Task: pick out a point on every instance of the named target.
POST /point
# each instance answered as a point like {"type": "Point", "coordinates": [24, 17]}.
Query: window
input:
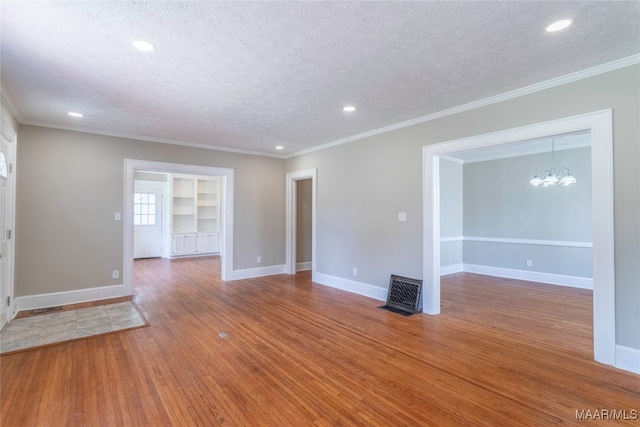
{"type": "Point", "coordinates": [144, 209]}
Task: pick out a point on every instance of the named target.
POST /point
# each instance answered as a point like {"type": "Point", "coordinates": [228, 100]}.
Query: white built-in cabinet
{"type": "Point", "coordinates": [195, 215]}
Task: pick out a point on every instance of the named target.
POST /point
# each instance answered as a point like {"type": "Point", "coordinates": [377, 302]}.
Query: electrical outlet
{"type": "Point", "coordinates": [259, 259]}
{"type": "Point", "coordinates": [115, 274]}
{"type": "Point", "coordinates": [355, 271]}
{"type": "Point", "coordinates": [117, 216]}
{"type": "Point", "coordinates": [529, 263]}
{"type": "Point", "coordinates": [402, 216]}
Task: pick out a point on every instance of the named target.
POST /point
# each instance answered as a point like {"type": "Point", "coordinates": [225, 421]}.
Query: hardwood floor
{"type": "Point", "coordinates": [502, 353]}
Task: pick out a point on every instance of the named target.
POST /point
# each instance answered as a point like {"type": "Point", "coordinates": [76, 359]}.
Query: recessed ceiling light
{"type": "Point", "coordinates": [349, 108]}
{"type": "Point", "coordinates": [279, 147]}
{"type": "Point", "coordinates": [559, 25]}
{"type": "Point", "coordinates": [143, 45]}
{"type": "Point", "coordinates": [72, 114]}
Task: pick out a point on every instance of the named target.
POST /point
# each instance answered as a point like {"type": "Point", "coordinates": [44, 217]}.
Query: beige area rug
{"type": "Point", "coordinates": [54, 328]}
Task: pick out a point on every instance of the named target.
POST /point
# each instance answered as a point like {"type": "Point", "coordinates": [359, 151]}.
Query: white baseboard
{"type": "Point", "coordinates": [303, 266]}
{"type": "Point", "coordinates": [250, 273]}
{"type": "Point", "coordinates": [31, 302]}
{"type": "Point", "coordinates": [451, 269]}
{"type": "Point", "coordinates": [628, 358]}
{"type": "Point", "coordinates": [352, 286]}
{"type": "Point", "coordinates": [532, 276]}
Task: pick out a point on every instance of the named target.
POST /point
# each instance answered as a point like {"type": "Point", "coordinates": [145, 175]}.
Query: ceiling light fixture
{"type": "Point", "coordinates": [279, 147]}
{"type": "Point", "coordinates": [559, 25]}
{"type": "Point", "coordinates": [143, 45]}
{"type": "Point", "coordinates": [552, 176]}
{"type": "Point", "coordinates": [349, 108]}
{"type": "Point", "coordinates": [72, 114]}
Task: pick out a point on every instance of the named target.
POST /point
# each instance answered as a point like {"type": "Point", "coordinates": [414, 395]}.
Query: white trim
{"type": "Point", "coordinates": [291, 210]}
{"type": "Point", "coordinates": [558, 81]}
{"type": "Point", "coordinates": [10, 222]}
{"type": "Point", "coordinates": [562, 243]}
{"type": "Point", "coordinates": [250, 273]}
{"type": "Point", "coordinates": [531, 276]}
{"type": "Point", "coordinates": [600, 125]}
{"type": "Point", "coordinates": [352, 286]}
{"type": "Point", "coordinates": [304, 266]}
{"type": "Point", "coordinates": [451, 269]}
{"type": "Point", "coordinates": [227, 186]}
{"type": "Point", "coordinates": [54, 299]}
{"type": "Point", "coordinates": [628, 358]}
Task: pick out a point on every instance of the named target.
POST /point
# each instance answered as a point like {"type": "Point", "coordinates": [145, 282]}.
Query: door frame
{"type": "Point", "coordinates": [226, 226]}
{"type": "Point", "coordinates": [599, 123]}
{"type": "Point", "coordinates": [10, 135]}
{"type": "Point", "coordinates": [291, 220]}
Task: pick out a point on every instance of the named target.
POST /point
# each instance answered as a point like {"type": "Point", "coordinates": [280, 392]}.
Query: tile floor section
{"type": "Point", "coordinates": [68, 325]}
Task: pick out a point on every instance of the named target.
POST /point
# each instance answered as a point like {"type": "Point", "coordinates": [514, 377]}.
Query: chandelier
{"type": "Point", "coordinates": [552, 176]}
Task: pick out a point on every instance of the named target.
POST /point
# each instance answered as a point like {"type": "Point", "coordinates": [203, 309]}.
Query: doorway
{"type": "Point", "coordinates": [148, 216]}
{"type": "Point", "coordinates": [7, 215]}
{"type": "Point", "coordinates": [226, 177]}
{"type": "Point", "coordinates": [310, 176]}
{"type": "Point", "coordinates": [600, 125]}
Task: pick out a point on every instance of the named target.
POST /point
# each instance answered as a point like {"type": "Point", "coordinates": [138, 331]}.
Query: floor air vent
{"type": "Point", "coordinates": [405, 295]}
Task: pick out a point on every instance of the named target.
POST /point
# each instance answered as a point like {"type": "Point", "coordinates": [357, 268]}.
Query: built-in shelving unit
{"type": "Point", "coordinates": [195, 216]}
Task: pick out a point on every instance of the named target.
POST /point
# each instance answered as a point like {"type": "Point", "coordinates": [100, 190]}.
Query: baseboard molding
{"type": "Point", "coordinates": [451, 269]}
{"type": "Point", "coordinates": [31, 302]}
{"type": "Point", "coordinates": [352, 286]}
{"type": "Point", "coordinates": [303, 266]}
{"type": "Point", "coordinates": [250, 273]}
{"type": "Point", "coordinates": [532, 276]}
{"type": "Point", "coordinates": [628, 359]}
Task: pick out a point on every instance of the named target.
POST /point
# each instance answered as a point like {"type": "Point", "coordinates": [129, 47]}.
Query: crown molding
{"type": "Point", "coordinates": [8, 101]}
{"type": "Point", "coordinates": [537, 87]}
{"type": "Point", "coordinates": [149, 138]}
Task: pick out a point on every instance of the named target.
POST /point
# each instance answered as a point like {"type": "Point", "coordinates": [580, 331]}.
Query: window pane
{"type": "Point", "coordinates": [152, 199]}
{"type": "Point", "coordinates": [152, 209]}
{"type": "Point", "coordinates": [152, 219]}
{"type": "Point", "coordinates": [145, 209]}
{"type": "Point", "coordinates": [137, 197]}
{"type": "Point", "coordinates": [145, 220]}
{"type": "Point", "coordinates": [136, 209]}
{"type": "Point", "coordinates": [145, 199]}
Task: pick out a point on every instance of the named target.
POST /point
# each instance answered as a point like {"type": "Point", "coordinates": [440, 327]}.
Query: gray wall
{"type": "Point", "coordinates": [499, 203]}
{"type": "Point", "coordinates": [451, 212]}
{"type": "Point", "coordinates": [363, 184]}
{"type": "Point", "coordinates": [303, 220]}
{"type": "Point", "coordinates": [69, 185]}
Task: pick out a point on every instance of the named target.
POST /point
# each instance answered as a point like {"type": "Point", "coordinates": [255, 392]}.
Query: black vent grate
{"type": "Point", "coordinates": [405, 294]}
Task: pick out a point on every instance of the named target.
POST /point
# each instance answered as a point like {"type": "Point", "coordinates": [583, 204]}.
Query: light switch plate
{"type": "Point", "coordinates": [117, 216]}
{"type": "Point", "coordinates": [402, 216]}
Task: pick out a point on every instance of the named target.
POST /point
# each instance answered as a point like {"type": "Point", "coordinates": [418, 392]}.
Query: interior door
{"type": "Point", "coordinates": [147, 222]}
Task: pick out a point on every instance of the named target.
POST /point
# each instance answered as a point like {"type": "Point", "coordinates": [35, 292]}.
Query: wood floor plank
{"type": "Point", "coordinates": [295, 353]}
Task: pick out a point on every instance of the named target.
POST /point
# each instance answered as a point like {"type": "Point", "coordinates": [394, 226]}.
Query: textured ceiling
{"type": "Point", "coordinates": [252, 75]}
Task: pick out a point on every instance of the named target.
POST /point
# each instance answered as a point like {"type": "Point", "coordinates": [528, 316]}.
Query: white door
{"type": "Point", "coordinates": [147, 222]}
{"type": "Point", "coordinates": [6, 210]}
